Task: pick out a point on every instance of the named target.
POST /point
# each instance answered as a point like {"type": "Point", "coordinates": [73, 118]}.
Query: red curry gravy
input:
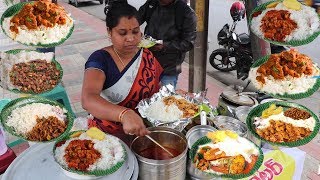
{"type": "Point", "coordinates": [157, 153]}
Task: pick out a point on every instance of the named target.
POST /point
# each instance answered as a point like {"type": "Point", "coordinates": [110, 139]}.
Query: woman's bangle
{"type": "Point", "coordinates": [123, 112]}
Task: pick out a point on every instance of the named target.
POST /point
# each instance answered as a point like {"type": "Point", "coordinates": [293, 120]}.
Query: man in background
{"type": "Point", "coordinates": [173, 22]}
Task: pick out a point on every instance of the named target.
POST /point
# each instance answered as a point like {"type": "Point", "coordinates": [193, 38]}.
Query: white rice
{"type": "Point", "coordinates": [110, 148]}
{"type": "Point", "coordinates": [8, 60]}
{"type": "Point", "coordinates": [307, 22]}
{"type": "Point", "coordinates": [43, 35]}
{"type": "Point", "coordinates": [262, 123]}
{"type": "Point", "coordinates": [23, 119]}
{"type": "Point", "coordinates": [244, 148]}
{"type": "Point", "coordinates": [159, 111]}
{"type": "Point", "coordinates": [289, 85]}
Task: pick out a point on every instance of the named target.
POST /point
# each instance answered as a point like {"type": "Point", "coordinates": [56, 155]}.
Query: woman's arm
{"type": "Point", "coordinates": [102, 109]}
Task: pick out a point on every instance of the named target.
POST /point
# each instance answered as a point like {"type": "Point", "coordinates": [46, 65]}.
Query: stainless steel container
{"type": "Point", "coordinates": [151, 169]}
{"type": "Point", "coordinates": [192, 136]}
{"type": "Point", "coordinates": [242, 112]}
{"type": "Point", "coordinates": [198, 132]}
{"type": "Point", "coordinates": [229, 123]}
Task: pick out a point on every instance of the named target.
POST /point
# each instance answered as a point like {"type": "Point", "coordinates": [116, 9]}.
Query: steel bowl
{"type": "Point", "coordinates": [198, 132]}
{"type": "Point", "coordinates": [229, 123]}
{"type": "Point", "coordinates": [242, 112]}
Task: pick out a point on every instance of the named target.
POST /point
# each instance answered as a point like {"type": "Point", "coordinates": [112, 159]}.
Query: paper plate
{"type": "Point", "coordinates": [11, 11]}
{"type": "Point", "coordinates": [205, 140]}
{"type": "Point", "coordinates": [257, 112]}
{"type": "Point", "coordinates": [305, 94]}
{"type": "Point", "coordinates": [146, 43]}
{"type": "Point", "coordinates": [288, 43]}
{"type": "Point", "coordinates": [57, 64]}
{"type": "Point", "coordinates": [95, 172]}
{"type": "Point", "coordinates": [12, 105]}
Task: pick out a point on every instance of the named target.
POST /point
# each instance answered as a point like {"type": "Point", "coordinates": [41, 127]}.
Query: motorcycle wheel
{"type": "Point", "coordinates": [217, 58]}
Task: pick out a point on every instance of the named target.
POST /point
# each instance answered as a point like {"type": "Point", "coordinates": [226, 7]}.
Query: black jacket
{"type": "Point", "coordinates": [176, 40]}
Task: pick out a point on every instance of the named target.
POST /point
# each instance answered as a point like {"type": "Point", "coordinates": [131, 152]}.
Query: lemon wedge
{"type": "Point", "coordinates": [76, 134]}
{"type": "Point", "coordinates": [292, 4]}
{"type": "Point", "coordinates": [220, 136]}
{"type": "Point", "coordinates": [232, 134]}
{"type": "Point", "coordinates": [96, 133]}
{"type": "Point", "coordinates": [272, 5]}
{"type": "Point", "coordinates": [271, 110]}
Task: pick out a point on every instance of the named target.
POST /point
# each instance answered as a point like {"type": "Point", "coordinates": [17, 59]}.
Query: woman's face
{"type": "Point", "coordinates": [126, 36]}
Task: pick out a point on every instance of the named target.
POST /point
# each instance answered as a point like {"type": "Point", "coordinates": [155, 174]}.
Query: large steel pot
{"type": "Point", "coordinates": [230, 99]}
{"type": "Point", "coordinates": [152, 169]}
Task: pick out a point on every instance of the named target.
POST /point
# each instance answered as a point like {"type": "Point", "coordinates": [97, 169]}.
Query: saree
{"type": "Point", "coordinates": [140, 81]}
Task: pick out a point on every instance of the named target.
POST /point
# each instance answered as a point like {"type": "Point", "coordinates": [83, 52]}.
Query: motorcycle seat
{"type": "Point", "coordinates": [244, 38]}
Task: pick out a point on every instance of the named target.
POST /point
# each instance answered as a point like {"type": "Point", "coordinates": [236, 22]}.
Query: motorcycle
{"type": "Point", "coordinates": [236, 52]}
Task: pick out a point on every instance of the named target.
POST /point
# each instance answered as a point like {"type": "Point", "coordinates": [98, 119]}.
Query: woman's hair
{"type": "Point", "coordinates": [118, 10]}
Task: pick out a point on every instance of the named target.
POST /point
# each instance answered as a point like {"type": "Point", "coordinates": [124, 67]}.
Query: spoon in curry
{"type": "Point", "coordinates": [154, 141]}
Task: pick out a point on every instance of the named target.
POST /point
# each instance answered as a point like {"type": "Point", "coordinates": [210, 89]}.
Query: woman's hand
{"type": "Point", "coordinates": [133, 124]}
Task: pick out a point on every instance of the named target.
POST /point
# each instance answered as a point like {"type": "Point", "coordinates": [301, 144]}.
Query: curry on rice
{"type": "Point", "coordinates": [36, 76]}
{"type": "Point", "coordinates": [37, 14]}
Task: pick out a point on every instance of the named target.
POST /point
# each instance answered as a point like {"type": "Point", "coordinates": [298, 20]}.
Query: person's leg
{"type": "Point", "coordinates": [172, 79]}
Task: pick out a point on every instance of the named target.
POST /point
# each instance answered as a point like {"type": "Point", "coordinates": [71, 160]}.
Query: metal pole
{"type": "Point", "coordinates": [259, 47]}
{"type": "Point", "coordinates": [198, 55]}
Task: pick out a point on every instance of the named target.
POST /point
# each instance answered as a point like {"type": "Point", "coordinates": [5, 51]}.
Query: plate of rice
{"type": "Point", "coordinates": [36, 119]}
{"type": "Point", "coordinates": [215, 155]}
{"type": "Point", "coordinates": [287, 75]}
{"type": "Point", "coordinates": [39, 23]}
{"type": "Point", "coordinates": [26, 71]}
{"type": "Point", "coordinates": [286, 22]}
{"type": "Point", "coordinates": [170, 109]}
{"type": "Point", "coordinates": [283, 123]}
{"type": "Point", "coordinates": [90, 153]}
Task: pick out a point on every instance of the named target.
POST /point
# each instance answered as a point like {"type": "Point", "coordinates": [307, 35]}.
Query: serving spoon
{"type": "Point", "coordinates": [166, 150]}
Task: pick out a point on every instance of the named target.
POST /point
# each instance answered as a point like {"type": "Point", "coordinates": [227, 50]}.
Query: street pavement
{"type": "Point", "coordinates": [90, 35]}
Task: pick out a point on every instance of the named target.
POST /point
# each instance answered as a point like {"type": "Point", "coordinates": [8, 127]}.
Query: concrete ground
{"type": "Point", "coordinates": [90, 35]}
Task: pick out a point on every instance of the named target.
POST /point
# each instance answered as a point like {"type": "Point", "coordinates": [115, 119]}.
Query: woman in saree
{"type": "Point", "coordinates": [117, 77]}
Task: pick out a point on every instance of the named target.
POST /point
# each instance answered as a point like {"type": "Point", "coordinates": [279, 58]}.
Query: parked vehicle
{"type": "Point", "coordinates": [236, 52]}
{"type": "Point", "coordinates": [76, 2]}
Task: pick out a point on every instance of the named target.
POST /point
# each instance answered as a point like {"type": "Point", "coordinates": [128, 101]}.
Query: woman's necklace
{"type": "Point", "coordinates": [118, 56]}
